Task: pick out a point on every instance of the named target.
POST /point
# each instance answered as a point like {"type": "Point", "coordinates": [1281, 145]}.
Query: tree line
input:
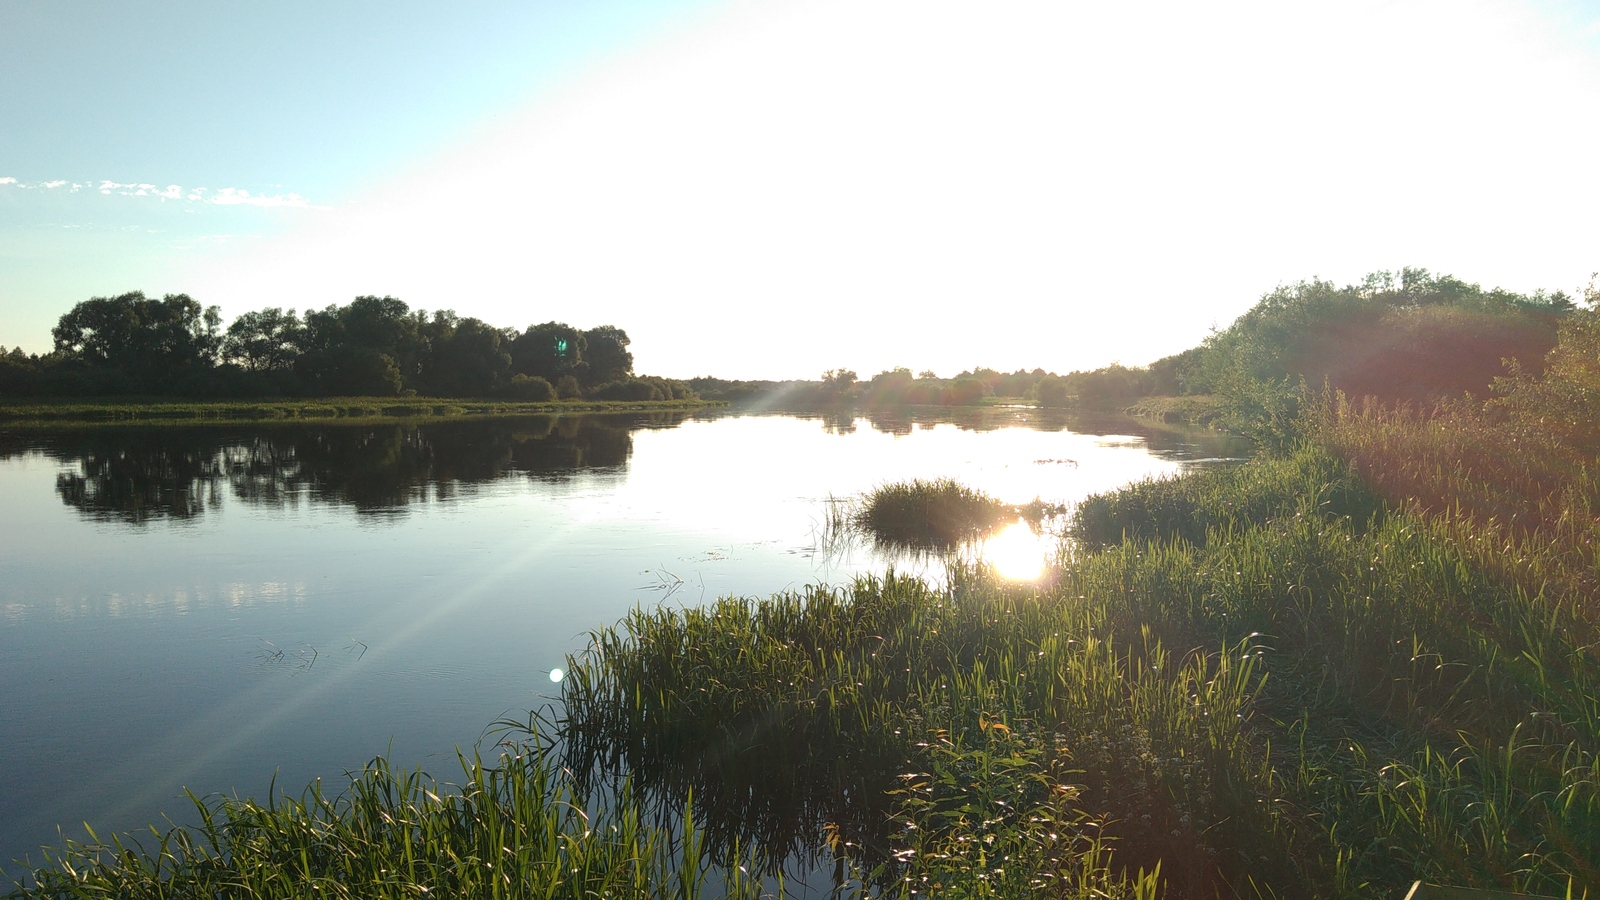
{"type": "Point", "coordinates": [1407, 336]}
{"type": "Point", "coordinates": [373, 346]}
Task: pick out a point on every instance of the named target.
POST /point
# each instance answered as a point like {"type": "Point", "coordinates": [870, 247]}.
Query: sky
{"type": "Point", "coordinates": [772, 189]}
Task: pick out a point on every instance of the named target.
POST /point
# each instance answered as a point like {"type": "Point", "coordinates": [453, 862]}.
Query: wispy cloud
{"type": "Point", "coordinates": [222, 197]}
{"type": "Point", "coordinates": [234, 197]}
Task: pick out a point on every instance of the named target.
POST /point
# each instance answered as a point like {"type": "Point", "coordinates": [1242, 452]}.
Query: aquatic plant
{"type": "Point", "coordinates": [937, 514]}
{"type": "Point", "coordinates": [516, 826]}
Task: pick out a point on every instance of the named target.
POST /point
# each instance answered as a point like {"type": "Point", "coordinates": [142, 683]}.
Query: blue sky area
{"type": "Point", "coordinates": [773, 189]}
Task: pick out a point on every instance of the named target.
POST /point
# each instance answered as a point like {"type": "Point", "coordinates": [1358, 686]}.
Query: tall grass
{"type": "Point", "coordinates": [1525, 503]}
{"type": "Point", "coordinates": [1261, 683]}
{"type": "Point", "coordinates": [516, 826]}
{"type": "Point", "coordinates": [932, 515]}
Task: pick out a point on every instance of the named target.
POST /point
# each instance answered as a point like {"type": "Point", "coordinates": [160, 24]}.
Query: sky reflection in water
{"type": "Point", "coordinates": [203, 607]}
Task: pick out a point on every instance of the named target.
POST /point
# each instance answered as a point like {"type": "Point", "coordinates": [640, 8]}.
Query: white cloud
{"type": "Point", "coordinates": [238, 197]}
{"type": "Point", "coordinates": [224, 197]}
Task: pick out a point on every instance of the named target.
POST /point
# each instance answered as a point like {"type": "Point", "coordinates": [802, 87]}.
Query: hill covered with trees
{"type": "Point", "coordinates": [133, 345]}
{"type": "Point", "coordinates": [1405, 337]}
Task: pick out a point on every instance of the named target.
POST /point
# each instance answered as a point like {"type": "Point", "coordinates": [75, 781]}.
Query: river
{"type": "Point", "coordinates": [210, 607]}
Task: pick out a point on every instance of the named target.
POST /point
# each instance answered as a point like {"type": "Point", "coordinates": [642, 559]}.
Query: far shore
{"type": "Point", "coordinates": [145, 411]}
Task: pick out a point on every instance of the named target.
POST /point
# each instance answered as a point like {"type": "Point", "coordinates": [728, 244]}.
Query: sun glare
{"type": "Point", "coordinates": [1017, 553]}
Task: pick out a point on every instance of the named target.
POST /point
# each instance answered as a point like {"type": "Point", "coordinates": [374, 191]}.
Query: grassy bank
{"type": "Point", "coordinates": [1264, 681]}
{"type": "Point", "coordinates": [321, 409]}
{"type": "Point", "coordinates": [1203, 410]}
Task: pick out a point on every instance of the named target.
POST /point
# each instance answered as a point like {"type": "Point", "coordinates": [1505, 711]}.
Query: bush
{"type": "Point", "coordinates": [1052, 392]}
{"type": "Point", "coordinates": [529, 388]}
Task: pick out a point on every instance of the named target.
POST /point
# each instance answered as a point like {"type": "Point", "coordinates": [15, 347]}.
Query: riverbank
{"type": "Point", "coordinates": [365, 409]}
{"type": "Point", "coordinates": [1201, 411]}
{"type": "Point", "coordinates": [1261, 681]}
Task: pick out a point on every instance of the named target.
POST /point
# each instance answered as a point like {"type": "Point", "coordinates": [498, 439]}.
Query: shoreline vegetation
{"type": "Point", "coordinates": [323, 409]}
{"type": "Point", "coordinates": [1369, 656]}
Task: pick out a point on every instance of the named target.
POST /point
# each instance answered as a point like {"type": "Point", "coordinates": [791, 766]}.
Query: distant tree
{"type": "Point", "coordinates": [152, 341]}
{"type": "Point", "coordinates": [370, 347]}
{"type": "Point", "coordinates": [1053, 392]}
{"type": "Point", "coordinates": [529, 388]}
{"type": "Point", "coordinates": [968, 391]}
{"type": "Point", "coordinates": [568, 388]}
{"type": "Point", "coordinates": [464, 357]}
{"type": "Point", "coordinates": [1110, 387]}
{"type": "Point", "coordinates": [265, 341]}
{"type": "Point", "coordinates": [551, 351]}
{"type": "Point", "coordinates": [606, 354]}
{"type": "Point", "coordinates": [646, 387]}
{"type": "Point", "coordinates": [890, 386]}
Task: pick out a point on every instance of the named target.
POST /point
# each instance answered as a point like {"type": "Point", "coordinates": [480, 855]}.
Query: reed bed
{"type": "Point", "coordinates": [936, 515]}
{"type": "Point", "coordinates": [1523, 501]}
{"type": "Point", "coordinates": [1262, 683]}
{"type": "Point", "coordinates": [515, 827]}
{"type": "Point", "coordinates": [925, 517]}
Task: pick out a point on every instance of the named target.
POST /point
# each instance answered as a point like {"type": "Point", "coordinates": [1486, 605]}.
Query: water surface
{"type": "Point", "coordinates": [206, 607]}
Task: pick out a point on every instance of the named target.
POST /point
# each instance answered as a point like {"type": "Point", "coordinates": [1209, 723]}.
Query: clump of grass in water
{"type": "Point", "coordinates": [937, 515]}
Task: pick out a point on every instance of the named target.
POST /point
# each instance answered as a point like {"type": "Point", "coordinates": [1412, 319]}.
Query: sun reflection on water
{"type": "Point", "coordinates": [1017, 552]}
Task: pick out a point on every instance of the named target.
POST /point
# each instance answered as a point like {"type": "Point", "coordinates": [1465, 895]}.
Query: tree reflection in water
{"type": "Point", "coordinates": [133, 475]}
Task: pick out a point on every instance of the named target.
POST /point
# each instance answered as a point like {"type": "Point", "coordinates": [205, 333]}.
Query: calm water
{"type": "Point", "coordinates": [205, 607]}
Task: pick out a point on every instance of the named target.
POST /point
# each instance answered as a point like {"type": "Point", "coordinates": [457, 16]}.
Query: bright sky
{"type": "Point", "coordinates": [771, 189]}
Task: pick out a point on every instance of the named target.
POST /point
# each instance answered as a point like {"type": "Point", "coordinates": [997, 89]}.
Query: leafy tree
{"type": "Point", "coordinates": [568, 388]}
{"type": "Point", "coordinates": [1053, 392]}
{"type": "Point", "coordinates": [606, 353]}
{"type": "Point", "coordinates": [1110, 387]}
{"type": "Point", "coordinates": [1565, 402]}
{"type": "Point", "coordinates": [369, 347]}
{"type": "Point", "coordinates": [529, 388]}
{"type": "Point", "coordinates": [265, 341]}
{"type": "Point", "coordinates": [152, 341]}
{"type": "Point", "coordinates": [967, 391]}
{"type": "Point", "coordinates": [836, 384]}
{"type": "Point", "coordinates": [465, 357]}
{"type": "Point", "coordinates": [890, 386]}
{"type": "Point", "coordinates": [647, 387]}
{"type": "Point", "coordinates": [551, 351]}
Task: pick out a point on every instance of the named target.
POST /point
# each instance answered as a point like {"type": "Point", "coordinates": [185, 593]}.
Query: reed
{"type": "Point", "coordinates": [934, 515]}
{"type": "Point", "coordinates": [516, 826]}
{"type": "Point", "coordinates": [1262, 682]}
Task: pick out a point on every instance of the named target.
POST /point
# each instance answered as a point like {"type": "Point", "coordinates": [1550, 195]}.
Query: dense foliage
{"type": "Point", "coordinates": [371, 347]}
